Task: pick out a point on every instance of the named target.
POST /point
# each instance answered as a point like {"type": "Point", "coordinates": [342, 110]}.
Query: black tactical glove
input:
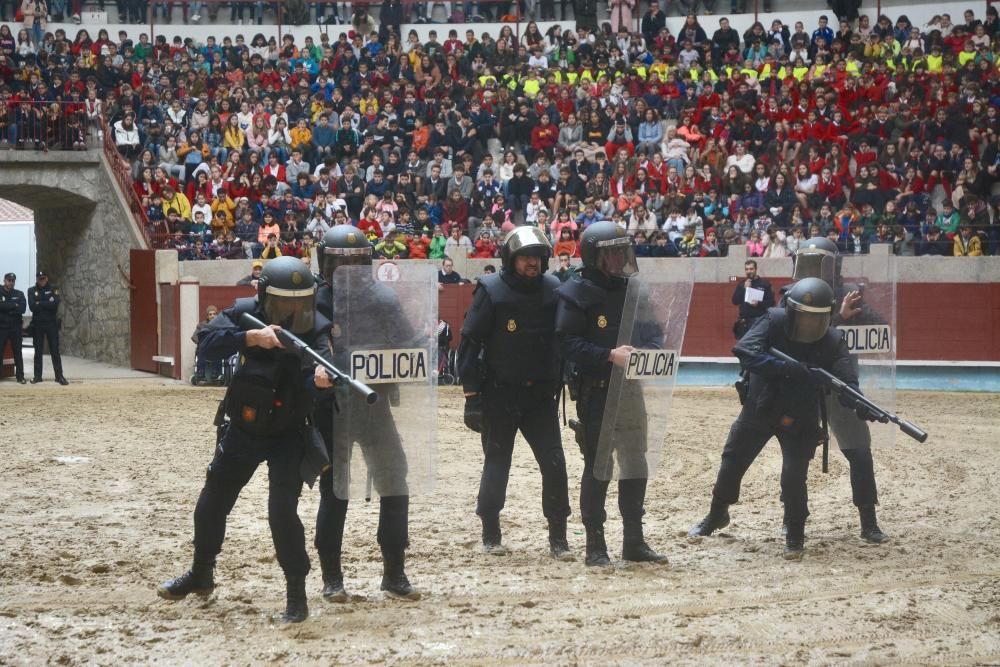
{"type": "Point", "coordinates": [474, 412]}
{"type": "Point", "coordinates": [847, 401]}
{"type": "Point", "coordinates": [802, 373]}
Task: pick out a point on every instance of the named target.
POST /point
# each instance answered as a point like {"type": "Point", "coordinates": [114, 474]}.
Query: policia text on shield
{"type": "Point", "coordinates": [297, 345]}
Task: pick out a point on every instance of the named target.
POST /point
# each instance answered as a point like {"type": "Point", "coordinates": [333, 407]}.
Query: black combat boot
{"type": "Point", "coordinates": [795, 540]}
{"type": "Point", "coordinates": [870, 532]}
{"type": "Point", "coordinates": [492, 537]}
{"type": "Point", "coordinates": [558, 546]}
{"type": "Point", "coordinates": [717, 519]}
{"type": "Point", "coordinates": [199, 580]}
{"type": "Point", "coordinates": [597, 548]}
{"type": "Point", "coordinates": [333, 580]}
{"type": "Point", "coordinates": [634, 547]}
{"type": "Point", "coordinates": [296, 606]}
{"type": "Point", "coordinates": [394, 581]}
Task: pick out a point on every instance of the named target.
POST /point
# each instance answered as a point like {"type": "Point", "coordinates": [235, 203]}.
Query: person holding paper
{"type": "Point", "coordinates": [753, 296]}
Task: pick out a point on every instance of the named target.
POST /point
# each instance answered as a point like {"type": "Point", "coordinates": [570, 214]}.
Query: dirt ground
{"type": "Point", "coordinates": [100, 479]}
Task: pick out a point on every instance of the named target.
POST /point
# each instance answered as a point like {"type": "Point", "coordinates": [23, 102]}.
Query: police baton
{"type": "Point", "coordinates": [303, 351]}
{"type": "Point", "coordinates": [857, 398]}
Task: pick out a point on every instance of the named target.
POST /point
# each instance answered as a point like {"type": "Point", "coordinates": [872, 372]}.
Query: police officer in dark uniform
{"type": "Point", "coordinates": [818, 258]}
{"type": "Point", "coordinates": [783, 400]}
{"type": "Point", "coordinates": [12, 308]}
{"type": "Point", "coordinates": [510, 368]}
{"type": "Point", "coordinates": [587, 321]}
{"type": "Point", "coordinates": [43, 299]}
{"type": "Point", "coordinates": [267, 408]}
{"type": "Point", "coordinates": [346, 245]}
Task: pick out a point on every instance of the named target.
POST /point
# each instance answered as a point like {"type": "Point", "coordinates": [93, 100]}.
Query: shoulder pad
{"type": "Point", "coordinates": [240, 306]}
{"type": "Point", "coordinates": [581, 292]}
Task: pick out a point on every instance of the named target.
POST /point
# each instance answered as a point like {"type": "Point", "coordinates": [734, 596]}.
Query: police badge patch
{"type": "Point", "coordinates": [602, 321]}
{"type": "Point", "coordinates": [511, 326]}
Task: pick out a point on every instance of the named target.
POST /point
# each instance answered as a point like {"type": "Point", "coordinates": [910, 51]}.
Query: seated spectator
{"type": "Point", "coordinates": [448, 275]}
{"type": "Point", "coordinates": [966, 244]}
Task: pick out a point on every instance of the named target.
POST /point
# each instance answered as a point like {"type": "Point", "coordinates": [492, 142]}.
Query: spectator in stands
{"type": "Point", "coordinates": [448, 275]}
{"type": "Point", "coordinates": [966, 243]}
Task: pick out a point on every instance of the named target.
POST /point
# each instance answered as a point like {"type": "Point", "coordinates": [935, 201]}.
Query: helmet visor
{"type": "Point", "coordinates": [814, 263]}
{"type": "Point", "coordinates": [616, 257]}
{"type": "Point", "coordinates": [807, 324]}
{"type": "Point", "coordinates": [336, 257]}
{"type": "Point", "coordinates": [294, 310]}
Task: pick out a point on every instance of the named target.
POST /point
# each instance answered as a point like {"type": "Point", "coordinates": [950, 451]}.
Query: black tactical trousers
{"type": "Point", "coordinates": [393, 521]}
{"type": "Point", "coordinates": [394, 511]}
{"type": "Point", "coordinates": [747, 438]}
{"type": "Point", "coordinates": [13, 335]}
{"type": "Point", "coordinates": [237, 457]}
{"type": "Point", "coordinates": [593, 491]}
{"type": "Point", "coordinates": [854, 438]}
{"type": "Point", "coordinates": [39, 334]}
{"type": "Point", "coordinates": [534, 411]}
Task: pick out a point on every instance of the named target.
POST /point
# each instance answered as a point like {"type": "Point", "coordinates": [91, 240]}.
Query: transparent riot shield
{"type": "Point", "coordinates": [385, 320]}
{"type": "Point", "coordinates": [637, 410]}
{"type": "Point", "coordinates": [865, 313]}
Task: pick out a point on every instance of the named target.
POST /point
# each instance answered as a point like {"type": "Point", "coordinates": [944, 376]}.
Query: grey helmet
{"type": "Point", "coordinates": [816, 258]}
{"type": "Point", "coordinates": [608, 248]}
{"type": "Point", "coordinates": [286, 292]}
{"type": "Point", "coordinates": [343, 245]}
{"type": "Point", "coordinates": [526, 240]}
{"type": "Point", "coordinates": [808, 310]}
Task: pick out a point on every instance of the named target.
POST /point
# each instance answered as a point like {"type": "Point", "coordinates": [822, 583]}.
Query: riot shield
{"type": "Point", "coordinates": [385, 321]}
{"type": "Point", "coordinates": [869, 330]}
{"type": "Point", "coordinates": [637, 410]}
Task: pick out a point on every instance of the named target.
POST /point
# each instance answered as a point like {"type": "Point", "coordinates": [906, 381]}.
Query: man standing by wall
{"type": "Point", "coordinates": [43, 299]}
{"type": "Point", "coordinates": [12, 307]}
{"type": "Point", "coordinates": [753, 304]}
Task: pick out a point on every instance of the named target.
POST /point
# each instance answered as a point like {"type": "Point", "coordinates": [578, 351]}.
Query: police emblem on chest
{"type": "Point", "coordinates": [602, 322]}
{"type": "Point", "coordinates": [249, 414]}
{"type": "Point", "coordinates": [511, 325]}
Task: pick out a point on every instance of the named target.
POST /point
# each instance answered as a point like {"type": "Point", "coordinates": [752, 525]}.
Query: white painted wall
{"type": "Point", "coordinates": [17, 251]}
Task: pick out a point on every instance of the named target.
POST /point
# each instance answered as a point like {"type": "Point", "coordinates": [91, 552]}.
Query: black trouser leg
{"type": "Point", "coordinates": [500, 422]}
{"type": "Point", "coordinates": [330, 519]}
{"type": "Point", "coordinates": [13, 335]}
{"type": "Point", "coordinates": [854, 438]}
{"type": "Point", "coordinates": [284, 489]}
{"type": "Point", "coordinates": [38, 341]}
{"type": "Point", "coordinates": [863, 487]}
{"type": "Point", "coordinates": [52, 334]}
{"type": "Point", "coordinates": [744, 444]}
{"type": "Point", "coordinates": [232, 467]}
{"type": "Point", "coordinates": [631, 498]}
{"type": "Point", "coordinates": [540, 427]}
{"type": "Point", "coordinates": [795, 458]}
{"type": "Point", "coordinates": [393, 523]}
{"type": "Point", "coordinates": [593, 491]}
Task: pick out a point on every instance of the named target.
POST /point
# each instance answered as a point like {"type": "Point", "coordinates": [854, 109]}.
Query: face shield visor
{"type": "Point", "coordinates": [815, 263]}
{"type": "Point", "coordinates": [334, 257]}
{"type": "Point", "coordinates": [616, 257]}
{"type": "Point", "coordinates": [806, 324]}
{"type": "Point", "coordinates": [291, 309]}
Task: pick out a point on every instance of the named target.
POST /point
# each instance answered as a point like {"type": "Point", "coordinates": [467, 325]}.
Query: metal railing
{"type": "Point", "coordinates": [46, 126]}
{"type": "Point", "coordinates": [121, 171]}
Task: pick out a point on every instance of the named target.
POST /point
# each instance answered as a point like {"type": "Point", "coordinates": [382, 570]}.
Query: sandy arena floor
{"type": "Point", "coordinates": [100, 479]}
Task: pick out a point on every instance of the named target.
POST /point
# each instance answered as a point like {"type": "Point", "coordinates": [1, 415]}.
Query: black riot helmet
{"type": "Point", "coordinates": [343, 245]}
{"type": "Point", "coordinates": [808, 310]}
{"type": "Point", "coordinates": [607, 247]}
{"type": "Point", "coordinates": [816, 258]}
{"type": "Point", "coordinates": [286, 292]}
{"type": "Point", "coordinates": [525, 241]}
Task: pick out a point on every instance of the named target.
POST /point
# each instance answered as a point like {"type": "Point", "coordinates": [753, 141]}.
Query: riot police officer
{"type": "Point", "coordinates": [43, 299]}
{"type": "Point", "coordinates": [12, 308]}
{"type": "Point", "coordinates": [266, 410]}
{"type": "Point", "coordinates": [818, 258]}
{"type": "Point", "coordinates": [509, 364]}
{"type": "Point", "coordinates": [588, 318]}
{"type": "Point", "coordinates": [346, 245]}
{"type": "Point", "coordinates": [783, 400]}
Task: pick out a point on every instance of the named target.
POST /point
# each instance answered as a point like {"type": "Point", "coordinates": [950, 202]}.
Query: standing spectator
{"type": "Point", "coordinates": [448, 275]}
{"type": "Point", "coordinates": [12, 308]}
{"type": "Point", "coordinates": [753, 308]}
